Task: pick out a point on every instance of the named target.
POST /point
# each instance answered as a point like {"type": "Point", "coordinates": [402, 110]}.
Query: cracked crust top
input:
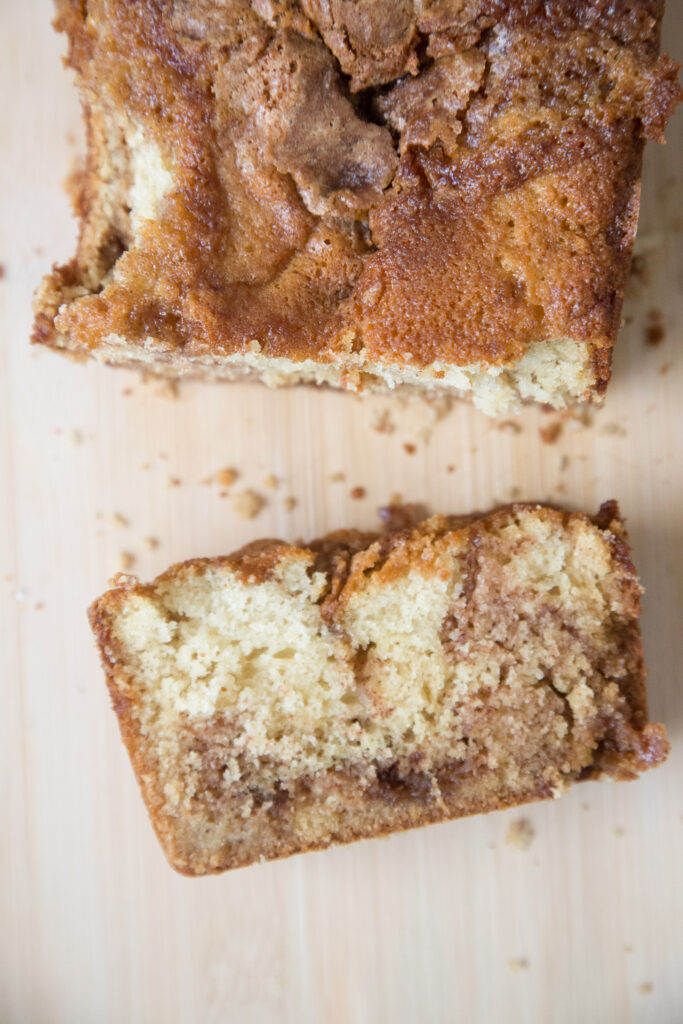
{"type": "Point", "coordinates": [418, 181]}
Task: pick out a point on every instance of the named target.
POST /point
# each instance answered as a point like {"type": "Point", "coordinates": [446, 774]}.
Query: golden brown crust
{"type": "Point", "coordinates": [481, 196]}
{"type": "Point", "coordinates": [617, 741]}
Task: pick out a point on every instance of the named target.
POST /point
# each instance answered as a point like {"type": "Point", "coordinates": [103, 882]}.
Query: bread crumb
{"type": "Point", "coordinates": [126, 561]}
{"type": "Point", "coordinates": [290, 503]}
{"type": "Point", "coordinates": [2, 271]}
{"type": "Point", "coordinates": [619, 831]}
{"type": "Point", "coordinates": [515, 492]}
{"type": "Point", "coordinates": [119, 521]}
{"type": "Point", "coordinates": [396, 498]}
{"type": "Point", "coordinates": [627, 949]}
{"type": "Point", "coordinates": [398, 516]}
{"type": "Point", "coordinates": [76, 436]}
{"type": "Point", "coordinates": [247, 504]}
{"type": "Point", "coordinates": [383, 423]}
{"type": "Point", "coordinates": [645, 988]}
{"type": "Point", "coordinates": [511, 425]}
{"type": "Point", "coordinates": [654, 329]}
{"type": "Point", "coordinates": [551, 433]}
{"type": "Point", "coordinates": [520, 834]}
{"type": "Point", "coordinates": [167, 388]}
{"type": "Point", "coordinates": [357, 492]}
{"type": "Point", "coordinates": [450, 469]}
{"type": "Point", "coordinates": [224, 477]}
{"type": "Point", "coordinates": [613, 429]}
{"type": "Point", "coordinates": [174, 481]}
{"type": "Point", "coordinates": [271, 481]}
{"type": "Point", "coordinates": [564, 463]}
{"type": "Point", "coordinates": [38, 606]}
{"type": "Point", "coordinates": [337, 478]}
{"type": "Point", "coordinates": [151, 543]}
{"type": "Point", "coordinates": [126, 392]}
{"type": "Point", "coordinates": [518, 963]}
{"type": "Point", "coordinates": [409, 448]}
{"type": "Point", "coordinates": [664, 368]}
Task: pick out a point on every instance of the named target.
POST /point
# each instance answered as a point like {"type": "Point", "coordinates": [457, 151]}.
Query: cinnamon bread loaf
{"type": "Point", "coordinates": [437, 196]}
{"type": "Point", "coordinates": [288, 697]}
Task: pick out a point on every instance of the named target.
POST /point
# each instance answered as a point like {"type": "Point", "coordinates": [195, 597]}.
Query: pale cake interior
{"type": "Point", "coordinates": [273, 719]}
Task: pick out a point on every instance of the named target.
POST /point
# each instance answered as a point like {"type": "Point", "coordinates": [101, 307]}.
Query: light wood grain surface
{"type": "Point", "coordinates": [426, 926]}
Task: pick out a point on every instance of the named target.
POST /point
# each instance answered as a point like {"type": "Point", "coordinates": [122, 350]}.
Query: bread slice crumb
{"type": "Point", "coordinates": [225, 477]}
{"type": "Point", "coordinates": [520, 834]}
{"type": "Point", "coordinates": [247, 504]}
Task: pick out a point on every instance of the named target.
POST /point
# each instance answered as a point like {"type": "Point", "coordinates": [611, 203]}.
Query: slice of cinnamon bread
{"type": "Point", "coordinates": [285, 698]}
{"type": "Point", "coordinates": [376, 195]}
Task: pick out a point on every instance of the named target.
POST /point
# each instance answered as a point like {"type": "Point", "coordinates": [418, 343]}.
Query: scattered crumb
{"type": "Point", "coordinates": [151, 543]}
{"type": "Point", "coordinates": [520, 834]}
{"type": "Point", "coordinates": [167, 388]}
{"type": "Point", "coordinates": [450, 469]}
{"type": "Point", "coordinates": [2, 271]}
{"type": "Point", "coordinates": [127, 391]}
{"type": "Point", "coordinates": [357, 492]}
{"type": "Point", "coordinates": [664, 368]}
{"type": "Point", "coordinates": [584, 415]}
{"type": "Point", "coordinates": [515, 492]}
{"type": "Point", "coordinates": [511, 425]}
{"type": "Point", "coordinates": [76, 436]}
{"type": "Point", "coordinates": [645, 988]}
{"type": "Point", "coordinates": [383, 423]}
{"type": "Point", "coordinates": [396, 498]}
{"type": "Point", "coordinates": [398, 516]}
{"type": "Point", "coordinates": [271, 481]}
{"type": "Point", "coordinates": [290, 503]}
{"type": "Point", "coordinates": [119, 521]}
{"type": "Point", "coordinates": [627, 949]}
{"type": "Point", "coordinates": [145, 465]}
{"type": "Point", "coordinates": [126, 561]}
{"type": "Point", "coordinates": [247, 504]}
{"type": "Point", "coordinates": [38, 606]}
{"type": "Point", "coordinates": [337, 478]}
{"type": "Point", "coordinates": [585, 806]}
{"type": "Point", "coordinates": [564, 463]}
{"type": "Point", "coordinates": [518, 963]}
{"type": "Point", "coordinates": [409, 448]}
{"type": "Point", "coordinates": [174, 481]}
{"type": "Point", "coordinates": [224, 477]}
{"type": "Point", "coordinates": [619, 831]}
{"type": "Point", "coordinates": [613, 430]}
{"type": "Point", "coordinates": [551, 433]}
{"type": "Point", "coordinates": [654, 329]}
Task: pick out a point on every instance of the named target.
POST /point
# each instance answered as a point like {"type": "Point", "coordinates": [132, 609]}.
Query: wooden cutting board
{"type": "Point", "coordinates": [452, 923]}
